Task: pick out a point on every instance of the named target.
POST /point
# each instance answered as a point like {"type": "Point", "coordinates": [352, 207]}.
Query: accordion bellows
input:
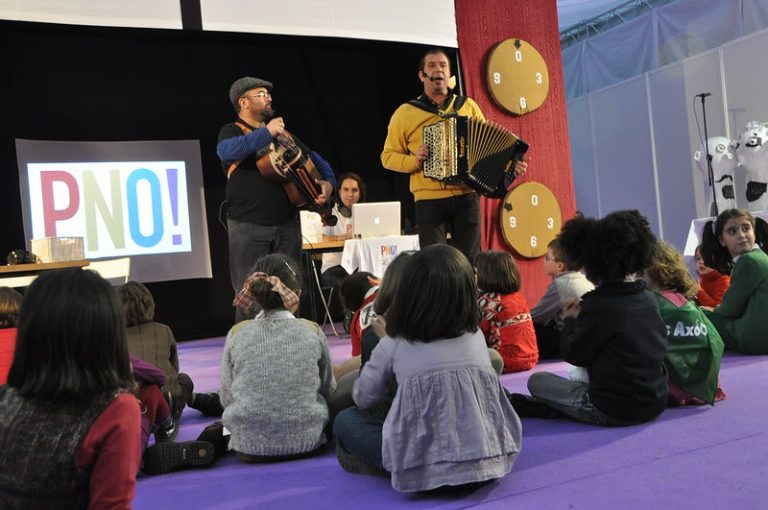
{"type": "Point", "coordinates": [473, 151]}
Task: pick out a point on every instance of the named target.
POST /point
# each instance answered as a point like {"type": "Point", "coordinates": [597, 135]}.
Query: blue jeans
{"type": "Point", "coordinates": [249, 242]}
{"type": "Point", "coordinates": [460, 215]}
{"type": "Point", "coordinates": [359, 434]}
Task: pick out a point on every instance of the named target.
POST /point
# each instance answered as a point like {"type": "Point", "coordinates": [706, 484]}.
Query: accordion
{"type": "Point", "coordinates": [478, 153]}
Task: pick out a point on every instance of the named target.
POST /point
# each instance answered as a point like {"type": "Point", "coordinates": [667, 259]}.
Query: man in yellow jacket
{"type": "Point", "coordinates": [440, 207]}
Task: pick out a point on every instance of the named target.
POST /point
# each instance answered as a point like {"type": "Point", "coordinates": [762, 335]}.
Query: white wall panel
{"type": "Point", "coordinates": [583, 157]}
{"type": "Point", "coordinates": [623, 150]}
{"type": "Point", "coordinates": [682, 187]}
{"type": "Point", "coordinates": [108, 13]}
{"type": "Point", "coordinates": [424, 21]}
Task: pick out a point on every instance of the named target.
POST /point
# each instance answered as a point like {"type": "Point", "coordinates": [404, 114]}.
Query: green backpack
{"type": "Point", "coordinates": [694, 349]}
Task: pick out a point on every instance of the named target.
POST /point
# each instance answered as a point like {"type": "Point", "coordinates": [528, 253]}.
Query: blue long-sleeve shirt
{"type": "Point", "coordinates": [240, 147]}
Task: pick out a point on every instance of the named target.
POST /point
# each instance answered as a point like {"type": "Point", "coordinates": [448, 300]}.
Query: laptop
{"type": "Point", "coordinates": [376, 219]}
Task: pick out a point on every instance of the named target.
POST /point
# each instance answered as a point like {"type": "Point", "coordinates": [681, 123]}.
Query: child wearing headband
{"type": "Point", "coordinates": [276, 371]}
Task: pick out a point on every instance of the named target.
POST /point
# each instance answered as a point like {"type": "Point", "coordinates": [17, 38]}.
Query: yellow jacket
{"type": "Point", "coordinates": [405, 135]}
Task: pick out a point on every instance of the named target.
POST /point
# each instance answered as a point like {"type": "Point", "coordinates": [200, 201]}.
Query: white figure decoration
{"type": "Point", "coordinates": [752, 156]}
{"type": "Point", "coordinates": [723, 167]}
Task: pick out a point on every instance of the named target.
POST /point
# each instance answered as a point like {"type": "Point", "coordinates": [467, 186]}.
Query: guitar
{"type": "Point", "coordinates": [286, 163]}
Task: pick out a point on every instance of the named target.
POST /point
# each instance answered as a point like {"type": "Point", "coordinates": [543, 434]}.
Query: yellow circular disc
{"type": "Point", "coordinates": [530, 218]}
{"type": "Point", "coordinates": [517, 76]}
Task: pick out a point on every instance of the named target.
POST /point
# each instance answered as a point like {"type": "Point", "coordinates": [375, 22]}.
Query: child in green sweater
{"type": "Point", "coordinates": [731, 247]}
{"type": "Point", "coordinates": [694, 348]}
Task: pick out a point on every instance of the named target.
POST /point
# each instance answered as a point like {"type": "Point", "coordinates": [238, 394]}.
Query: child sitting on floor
{"type": "Point", "coordinates": [154, 343]}
{"type": "Point", "coordinates": [616, 331]}
{"type": "Point", "coordinates": [568, 283]}
{"type": "Point", "coordinates": [733, 248]}
{"type": "Point", "coordinates": [357, 293]}
{"type": "Point", "coordinates": [505, 317]}
{"type": "Point", "coordinates": [10, 303]}
{"type": "Point", "coordinates": [70, 424]}
{"type": "Point", "coordinates": [450, 423]}
{"type": "Point", "coordinates": [276, 371]}
{"type": "Point", "coordinates": [713, 283]}
{"type": "Point", "coordinates": [694, 348]}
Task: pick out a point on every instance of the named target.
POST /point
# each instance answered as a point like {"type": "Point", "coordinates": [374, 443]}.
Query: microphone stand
{"type": "Point", "coordinates": [710, 171]}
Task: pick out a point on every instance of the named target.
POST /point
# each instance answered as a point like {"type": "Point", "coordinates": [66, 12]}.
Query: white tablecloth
{"type": "Point", "coordinates": [375, 253]}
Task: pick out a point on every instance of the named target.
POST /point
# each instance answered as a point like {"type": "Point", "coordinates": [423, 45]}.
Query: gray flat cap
{"type": "Point", "coordinates": [245, 84]}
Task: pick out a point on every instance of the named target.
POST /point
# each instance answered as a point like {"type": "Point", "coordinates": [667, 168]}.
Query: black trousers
{"type": "Point", "coordinates": [458, 215]}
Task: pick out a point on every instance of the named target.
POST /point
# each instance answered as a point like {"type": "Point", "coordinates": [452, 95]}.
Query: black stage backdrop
{"type": "Point", "coordinates": [79, 83]}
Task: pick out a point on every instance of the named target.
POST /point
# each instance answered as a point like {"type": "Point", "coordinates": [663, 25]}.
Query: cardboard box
{"type": "Point", "coordinates": [58, 249]}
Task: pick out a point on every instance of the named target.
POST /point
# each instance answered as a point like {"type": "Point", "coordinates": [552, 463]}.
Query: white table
{"type": "Point", "coordinates": [22, 275]}
{"type": "Point", "coordinates": [374, 254]}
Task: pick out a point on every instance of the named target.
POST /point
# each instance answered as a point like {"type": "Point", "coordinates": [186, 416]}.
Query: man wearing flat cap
{"type": "Point", "coordinates": [260, 217]}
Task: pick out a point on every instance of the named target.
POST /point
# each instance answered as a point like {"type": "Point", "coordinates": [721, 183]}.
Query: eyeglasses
{"type": "Point", "coordinates": [263, 94]}
{"type": "Point", "coordinates": [547, 258]}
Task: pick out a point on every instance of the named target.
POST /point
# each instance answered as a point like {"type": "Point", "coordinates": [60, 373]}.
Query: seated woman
{"type": "Point", "coordinates": [351, 191]}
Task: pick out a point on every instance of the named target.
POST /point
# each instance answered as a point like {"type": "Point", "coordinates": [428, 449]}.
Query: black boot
{"type": "Point", "coordinates": [529, 407]}
{"type": "Point", "coordinates": [168, 457]}
{"type": "Point", "coordinates": [207, 403]}
{"type": "Point", "coordinates": [178, 402]}
{"type": "Point", "coordinates": [214, 434]}
{"type": "Point", "coordinates": [166, 430]}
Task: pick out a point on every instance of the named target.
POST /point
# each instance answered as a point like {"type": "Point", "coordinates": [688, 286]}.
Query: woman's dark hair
{"type": "Point", "coordinates": [71, 342]}
{"type": "Point", "coordinates": [611, 248]}
{"type": "Point", "coordinates": [360, 183]}
{"type": "Point", "coordinates": [436, 298]}
{"type": "Point", "coordinates": [716, 255]}
{"type": "Point", "coordinates": [393, 276]}
{"type": "Point", "coordinates": [282, 266]}
{"type": "Point", "coordinates": [497, 272]}
{"type": "Point", "coordinates": [10, 302]}
{"type": "Point", "coordinates": [353, 288]}
{"type": "Point", "coordinates": [138, 303]}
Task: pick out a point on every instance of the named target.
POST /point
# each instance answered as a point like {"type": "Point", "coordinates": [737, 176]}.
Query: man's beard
{"type": "Point", "coordinates": [266, 114]}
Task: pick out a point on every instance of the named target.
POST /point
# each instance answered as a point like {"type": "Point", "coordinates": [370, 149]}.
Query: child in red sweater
{"type": "Point", "coordinates": [10, 303]}
{"type": "Point", "coordinates": [357, 293]}
{"type": "Point", "coordinates": [713, 283]}
{"type": "Point", "coordinates": [505, 317]}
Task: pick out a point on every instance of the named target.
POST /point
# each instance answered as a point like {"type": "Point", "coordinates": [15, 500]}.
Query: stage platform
{"type": "Point", "coordinates": [690, 458]}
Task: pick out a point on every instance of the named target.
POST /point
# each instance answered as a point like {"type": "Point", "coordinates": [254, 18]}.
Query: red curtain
{"type": "Point", "coordinates": [481, 24]}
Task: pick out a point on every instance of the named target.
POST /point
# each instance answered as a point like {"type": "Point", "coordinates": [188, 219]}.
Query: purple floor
{"type": "Point", "coordinates": [699, 457]}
